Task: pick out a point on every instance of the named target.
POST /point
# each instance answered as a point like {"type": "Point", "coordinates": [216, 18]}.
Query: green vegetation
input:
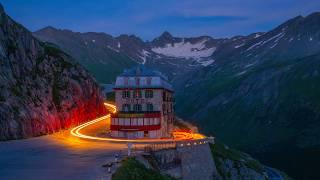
{"type": "Point", "coordinates": [131, 169]}
{"type": "Point", "coordinates": [221, 152]}
{"type": "Point", "coordinates": [114, 64]}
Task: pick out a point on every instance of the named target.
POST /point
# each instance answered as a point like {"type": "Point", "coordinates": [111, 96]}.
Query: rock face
{"type": "Point", "coordinates": [233, 164]}
{"type": "Point", "coordinates": [237, 170]}
{"type": "Point", "coordinates": [188, 163]}
{"type": "Point", "coordinates": [42, 89]}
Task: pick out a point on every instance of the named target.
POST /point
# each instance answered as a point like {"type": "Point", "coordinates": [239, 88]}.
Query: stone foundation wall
{"type": "Point", "coordinates": [188, 162]}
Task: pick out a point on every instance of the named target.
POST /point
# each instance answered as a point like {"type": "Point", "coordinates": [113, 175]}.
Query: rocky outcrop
{"type": "Point", "coordinates": [42, 89]}
{"type": "Point", "coordinates": [233, 164]}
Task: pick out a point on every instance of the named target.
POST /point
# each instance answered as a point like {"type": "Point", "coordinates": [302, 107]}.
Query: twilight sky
{"type": "Point", "coordinates": [149, 18]}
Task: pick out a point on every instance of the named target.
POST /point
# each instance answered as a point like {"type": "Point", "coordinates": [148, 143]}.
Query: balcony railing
{"type": "Point", "coordinates": [135, 114]}
{"type": "Point", "coordinates": [135, 127]}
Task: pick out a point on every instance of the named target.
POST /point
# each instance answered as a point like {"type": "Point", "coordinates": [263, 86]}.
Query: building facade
{"type": "Point", "coordinates": [144, 99]}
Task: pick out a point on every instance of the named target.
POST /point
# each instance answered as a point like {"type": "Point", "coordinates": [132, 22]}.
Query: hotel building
{"type": "Point", "coordinates": [144, 99]}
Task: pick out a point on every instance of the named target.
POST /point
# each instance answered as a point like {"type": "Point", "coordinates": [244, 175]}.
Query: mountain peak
{"type": "Point", "coordinates": [49, 28]}
{"type": "Point", "coordinates": [166, 35]}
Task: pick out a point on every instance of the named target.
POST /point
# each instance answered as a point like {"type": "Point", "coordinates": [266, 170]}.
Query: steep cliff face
{"type": "Point", "coordinates": [42, 89]}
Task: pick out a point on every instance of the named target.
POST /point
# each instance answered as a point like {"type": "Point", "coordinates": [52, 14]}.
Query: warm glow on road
{"type": "Point", "coordinates": [178, 136]}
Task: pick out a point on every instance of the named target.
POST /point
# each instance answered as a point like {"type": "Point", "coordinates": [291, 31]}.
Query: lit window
{"type": "Point", "coordinates": [121, 121]}
{"type": "Point", "coordinates": [156, 121]}
{"type": "Point", "coordinates": [127, 121]}
{"type": "Point", "coordinates": [146, 121]}
{"type": "Point", "coordinates": [134, 121]}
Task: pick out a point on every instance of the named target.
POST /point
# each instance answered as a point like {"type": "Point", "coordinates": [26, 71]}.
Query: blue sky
{"type": "Point", "coordinates": [149, 18]}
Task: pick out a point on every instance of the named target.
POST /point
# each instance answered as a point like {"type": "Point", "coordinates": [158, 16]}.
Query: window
{"type": "Point", "coordinates": [134, 121]}
{"type": "Point", "coordinates": [137, 81]}
{"type": "Point", "coordinates": [126, 107]}
{"type": "Point", "coordinates": [146, 121]}
{"type": "Point", "coordinates": [152, 121]}
{"type": "Point", "coordinates": [127, 121]}
{"type": "Point", "coordinates": [125, 94]}
{"type": "Point", "coordinates": [156, 121]}
{"type": "Point", "coordinates": [149, 107]}
{"type": "Point", "coordinates": [126, 81]}
{"type": "Point", "coordinates": [140, 121]}
{"type": "Point", "coordinates": [149, 94]}
{"type": "Point", "coordinates": [121, 121]}
{"type": "Point", "coordinates": [137, 94]}
{"type": "Point", "coordinates": [149, 80]}
{"type": "Point", "coordinates": [137, 107]}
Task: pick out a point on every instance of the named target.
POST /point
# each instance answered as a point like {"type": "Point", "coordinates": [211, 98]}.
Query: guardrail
{"type": "Point", "coordinates": [157, 146]}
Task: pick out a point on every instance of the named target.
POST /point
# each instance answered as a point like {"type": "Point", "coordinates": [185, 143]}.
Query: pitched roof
{"type": "Point", "coordinates": [141, 70]}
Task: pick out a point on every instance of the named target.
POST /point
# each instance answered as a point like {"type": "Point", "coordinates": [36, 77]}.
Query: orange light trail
{"type": "Point", "coordinates": [179, 135]}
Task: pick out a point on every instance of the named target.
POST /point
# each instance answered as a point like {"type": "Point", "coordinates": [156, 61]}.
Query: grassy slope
{"type": "Point", "coordinates": [131, 169]}
{"type": "Point", "coordinates": [114, 64]}
{"type": "Point", "coordinates": [274, 107]}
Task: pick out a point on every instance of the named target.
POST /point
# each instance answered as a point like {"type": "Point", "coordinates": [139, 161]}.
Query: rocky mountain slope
{"type": "Point", "coordinates": [258, 92]}
{"type": "Point", "coordinates": [171, 55]}
{"type": "Point", "coordinates": [42, 88]}
{"type": "Point", "coordinates": [264, 96]}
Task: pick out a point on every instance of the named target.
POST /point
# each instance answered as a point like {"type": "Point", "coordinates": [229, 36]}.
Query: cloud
{"type": "Point", "coordinates": [148, 19]}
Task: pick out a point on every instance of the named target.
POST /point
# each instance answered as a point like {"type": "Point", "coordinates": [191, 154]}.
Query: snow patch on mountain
{"type": "Point", "coordinates": [206, 63]}
{"type": "Point", "coordinates": [113, 49]}
{"type": "Point", "coordinates": [144, 55]}
{"type": "Point", "coordinates": [185, 50]}
{"type": "Point", "coordinates": [255, 45]}
{"type": "Point", "coordinates": [237, 46]}
{"type": "Point", "coordinates": [274, 38]}
{"type": "Point", "coordinates": [257, 35]}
